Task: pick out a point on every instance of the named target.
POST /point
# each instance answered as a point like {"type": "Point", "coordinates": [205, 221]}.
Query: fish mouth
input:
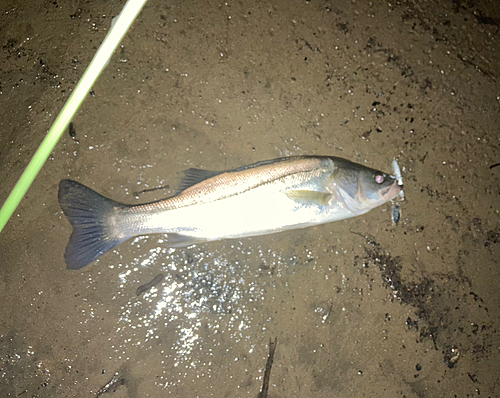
{"type": "Point", "coordinates": [391, 191]}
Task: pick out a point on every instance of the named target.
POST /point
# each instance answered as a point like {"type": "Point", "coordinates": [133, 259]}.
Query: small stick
{"type": "Point", "coordinates": [269, 364]}
{"type": "Point", "coordinates": [115, 380]}
{"type": "Point", "coordinates": [151, 190]}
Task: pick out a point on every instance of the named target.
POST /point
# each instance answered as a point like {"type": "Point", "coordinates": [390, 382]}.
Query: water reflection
{"type": "Point", "coordinates": [204, 294]}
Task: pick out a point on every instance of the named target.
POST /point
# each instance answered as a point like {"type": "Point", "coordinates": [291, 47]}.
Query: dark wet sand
{"type": "Point", "coordinates": [360, 307]}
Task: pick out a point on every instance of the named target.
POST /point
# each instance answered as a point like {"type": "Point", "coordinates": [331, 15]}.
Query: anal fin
{"type": "Point", "coordinates": [178, 240]}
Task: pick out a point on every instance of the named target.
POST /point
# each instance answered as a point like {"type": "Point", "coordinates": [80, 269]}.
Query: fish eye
{"type": "Point", "coordinates": [379, 178]}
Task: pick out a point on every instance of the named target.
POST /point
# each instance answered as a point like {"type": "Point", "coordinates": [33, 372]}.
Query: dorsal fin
{"type": "Point", "coordinates": [195, 176]}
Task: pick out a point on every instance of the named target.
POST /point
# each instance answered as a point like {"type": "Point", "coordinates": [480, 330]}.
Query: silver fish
{"type": "Point", "coordinates": [262, 198]}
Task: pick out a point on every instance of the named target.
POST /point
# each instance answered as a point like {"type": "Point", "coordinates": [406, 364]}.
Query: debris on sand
{"type": "Point", "coordinates": [269, 364]}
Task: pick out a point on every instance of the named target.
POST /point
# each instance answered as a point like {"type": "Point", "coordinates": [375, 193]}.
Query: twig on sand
{"type": "Point", "coordinates": [269, 365]}
{"type": "Point", "coordinates": [137, 193]}
{"type": "Point", "coordinates": [114, 382]}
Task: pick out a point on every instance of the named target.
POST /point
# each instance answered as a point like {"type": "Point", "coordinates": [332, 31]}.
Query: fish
{"type": "Point", "coordinates": [262, 198]}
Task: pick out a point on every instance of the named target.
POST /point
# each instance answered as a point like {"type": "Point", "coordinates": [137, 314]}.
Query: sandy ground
{"type": "Point", "coordinates": [360, 308]}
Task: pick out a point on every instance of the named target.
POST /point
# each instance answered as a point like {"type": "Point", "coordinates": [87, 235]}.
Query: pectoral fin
{"type": "Point", "coordinates": [310, 197]}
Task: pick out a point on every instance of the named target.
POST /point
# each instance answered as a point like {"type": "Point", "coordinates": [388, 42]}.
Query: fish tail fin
{"type": "Point", "coordinates": [88, 212]}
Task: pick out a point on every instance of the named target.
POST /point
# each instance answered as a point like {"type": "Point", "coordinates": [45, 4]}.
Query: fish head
{"type": "Point", "coordinates": [362, 188]}
{"type": "Point", "coordinates": [378, 187]}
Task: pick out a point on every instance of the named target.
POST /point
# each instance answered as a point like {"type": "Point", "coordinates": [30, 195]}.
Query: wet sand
{"type": "Point", "coordinates": [359, 307]}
